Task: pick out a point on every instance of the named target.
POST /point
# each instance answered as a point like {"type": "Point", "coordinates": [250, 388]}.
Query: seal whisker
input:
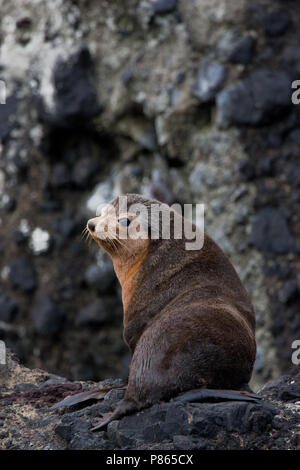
{"type": "Point", "coordinates": [84, 233]}
{"type": "Point", "coordinates": [122, 243]}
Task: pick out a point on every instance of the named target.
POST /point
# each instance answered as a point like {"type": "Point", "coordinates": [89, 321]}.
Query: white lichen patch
{"type": "Point", "coordinates": [39, 241]}
{"type": "Point", "coordinates": [24, 226]}
{"type": "Point", "coordinates": [4, 273]}
{"type": "Point", "coordinates": [103, 193]}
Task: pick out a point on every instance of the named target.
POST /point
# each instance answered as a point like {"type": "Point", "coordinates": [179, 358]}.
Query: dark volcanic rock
{"type": "Point", "coordinates": [46, 315]}
{"type": "Point", "coordinates": [247, 169]}
{"type": "Point", "coordinates": [127, 75]}
{"type": "Point", "coordinates": [294, 136]}
{"type": "Point", "coordinates": [272, 423]}
{"type": "Point", "coordinates": [236, 48]}
{"type": "Point", "coordinates": [101, 275]}
{"type": "Point", "coordinates": [292, 173]}
{"type": "Point", "coordinates": [162, 422]}
{"type": "Point", "coordinates": [289, 291]}
{"type": "Point", "coordinates": [264, 167]}
{"type": "Point", "coordinates": [77, 432]}
{"type": "Point", "coordinates": [9, 204]}
{"type": "Point", "coordinates": [7, 116]}
{"type": "Point", "coordinates": [76, 100]}
{"type": "Point", "coordinates": [65, 226]}
{"type": "Point", "coordinates": [96, 313]}
{"type": "Point", "coordinates": [286, 388]}
{"type": "Point", "coordinates": [83, 171]}
{"type": "Point", "coordinates": [210, 78]}
{"type": "Point", "coordinates": [163, 6]}
{"type": "Point", "coordinates": [291, 59]}
{"type": "Point", "coordinates": [258, 99]}
{"type": "Point", "coordinates": [60, 177]}
{"type": "Point", "coordinates": [8, 308]}
{"type": "Point", "coordinates": [243, 50]}
{"type": "Point", "coordinates": [22, 274]}
{"type": "Point", "coordinates": [276, 22]}
{"type": "Point", "coordinates": [270, 231]}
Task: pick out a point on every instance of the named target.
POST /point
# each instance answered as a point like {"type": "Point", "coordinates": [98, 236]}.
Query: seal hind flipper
{"type": "Point", "coordinates": [97, 394]}
{"type": "Point", "coordinates": [103, 424]}
{"type": "Point", "coordinates": [208, 395]}
{"type": "Point", "coordinates": [126, 407]}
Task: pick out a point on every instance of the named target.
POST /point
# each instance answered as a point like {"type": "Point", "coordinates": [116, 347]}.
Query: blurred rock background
{"type": "Point", "coordinates": [186, 101]}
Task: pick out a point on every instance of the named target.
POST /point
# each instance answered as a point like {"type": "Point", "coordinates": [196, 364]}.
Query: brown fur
{"type": "Point", "coordinates": [188, 320]}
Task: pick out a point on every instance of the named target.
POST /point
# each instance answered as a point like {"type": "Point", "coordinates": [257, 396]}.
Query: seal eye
{"type": "Point", "coordinates": [124, 221]}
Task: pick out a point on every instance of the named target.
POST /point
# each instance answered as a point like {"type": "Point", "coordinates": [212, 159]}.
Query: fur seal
{"type": "Point", "coordinates": [188, 320]}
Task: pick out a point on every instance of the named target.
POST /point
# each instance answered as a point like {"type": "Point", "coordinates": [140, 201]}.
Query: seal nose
{"type": "Point", "coordinates": [91, 226]}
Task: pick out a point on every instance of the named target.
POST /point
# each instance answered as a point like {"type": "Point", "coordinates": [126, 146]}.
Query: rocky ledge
{"type": "Point", "coordinates": [28, 422]}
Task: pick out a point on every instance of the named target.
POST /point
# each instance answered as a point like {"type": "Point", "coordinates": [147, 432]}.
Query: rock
{"type": "Point", "coordinates": [8, 203]}
{"type": "Point", "coordinates": [294, 136]}
{"type": "Point", "coordinates": [265, 167]}
{"type": "Point", "coordinates": [270, 423]}
{"type": "Point", "coordinates": [243, 50]}
{"type": "Point", "coordinates": [50, 205]}
{"type": "Point", "coordinates": [236, 48]}
{"type": "Point", "coordinates": [163, 6]}
{"type": "Point", "coordinates": [289, 292]}
{"type": "Point", "coordinates": [190, 443]}
{"type": "Point", "coordinates": [47, 317]}
{"type": "Point", "coordinates": [101, 275]}
{"type": "Point", "coordinates": [96, 313]}
{"type": "Point", "coordinates": [250, 171]}
{"type": "Point", "coordinates": [76, 100]}
{"type": "Point", "coordinates": [140, 130]}
{"type": "Point", "coordinates": [209, 80]}
{"type": "Point", "coordinates": [24, 22]}
{"type": "Point", "coordinates": [285, 388]}
{"type": "Point", "coordinates": [8, 308]}
{"type": "Point", "coordinates": [258, 99]}
{"type": "Point", "coordinates": [127, 75]}
{"type": "Point", "coordinates": [276, 23]}
{"type": "Point", "coordinates": [64, 228]}
{"type": "Point", "coordinates": [274, 139]}
{"type": "Point", "coordinates": [40, 241]}
{"type": "Point", "coordinates": [60, 177]}
{"type": "Point", "coordinates": [259, 360]}
{"type": "Point", "coordinates": [161, 423]}
{"type": "Point", "coordinates": [278, 270]}
{"type": "Point", "coordinates": [292, 173]}
{"type": "Point", "coordinates": [247, 169]}
{"type": "Point", "coordinates": [83, 172]}
{"type": "Point", "coordinates": [206, 20]}
{"type": "Point", "coordinates": [8, 116]}
{"type": "Point", "coordinates": [19, 237]}
{"type": "Point", "coordinates": [22, 274]}
{"type": "Point", "coordinates": [159, 189]}
{"type": "Point", "coordinates": [291, 59]}
{"type": "Point", "coordinates": [102, 193]}
{"type": "Point", "coordinates": [270, 232]}
{"type": "Point", "coordinates": [78, 434]}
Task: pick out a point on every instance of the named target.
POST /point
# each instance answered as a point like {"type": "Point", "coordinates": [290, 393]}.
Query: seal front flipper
{"type": "Point", "coordinates": [97, 394]}
{"type": "Point", "coordinates": [215, 395]}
